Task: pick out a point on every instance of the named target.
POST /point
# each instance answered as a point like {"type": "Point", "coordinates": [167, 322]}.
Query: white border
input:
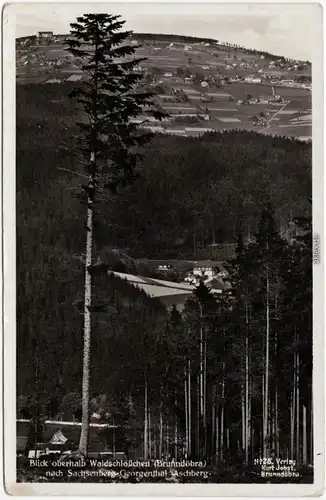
{"type": "Point", "coordinates": [8, 199]}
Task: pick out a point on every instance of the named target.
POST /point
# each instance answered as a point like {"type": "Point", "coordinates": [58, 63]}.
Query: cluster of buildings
{"type": "Point", "coordinates": [176, 293]}
{"type": "Point", "coordinates": [58, 438]}
{"type": "Point", "coordinates": [219, 80]}
{"type": "Point", "coordinates": [213, 274]}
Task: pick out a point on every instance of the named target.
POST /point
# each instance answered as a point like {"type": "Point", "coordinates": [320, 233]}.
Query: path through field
{"type": "Point", "coordinates": [273, 117]}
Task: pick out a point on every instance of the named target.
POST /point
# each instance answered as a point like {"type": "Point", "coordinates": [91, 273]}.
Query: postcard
{"type": "Point", "coordinates": [163, 239]}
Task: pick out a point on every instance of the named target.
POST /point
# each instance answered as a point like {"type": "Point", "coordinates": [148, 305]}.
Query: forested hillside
{"type": "Point", "coordinates": [190, 192]}
{"type": "Point", "coordinates": [229, 377]}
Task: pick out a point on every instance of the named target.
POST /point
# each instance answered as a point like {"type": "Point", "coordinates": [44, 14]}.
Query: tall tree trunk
{"type": "Point", "coordinates": [250, 428]}
{"type": "Point", "coordinates": [252, 436]}
{"type": "Point", "coordinates": [83, 442]}
{"type": "Point", "coordinates": [298, 408]}
{"type": "Point", "coordinates": [161, 435]}
{"type": "Point", "coordinates": [293, 400]}
{"type": "Point", "coordinates": [247, 421]}
{"type": "Point", "coordinates": [266, 391]}
{"type": "Point", "coordinates": [205, 398]}
{"type": "Point", "coordinates": [161, 426]}
{"type": "Point", "coordinates": [189, 409]}
{"type": "Point", "coordinates": [186, 411]}
{"type": "Point", "coordinates": [217, 437]}
{"type": "Point", "coordinates": [311, 432]}
{"type": "Point", "coordinates": [146, 420]}
{"type": "Point", "coordinates": [149, 435]}
{"type": "Point", "coordinates": [304, 435]}
{"type": "Point", "coordinates": [292, 416]}
{"type": "Point", "coordinates": [198, 419]}
{"type": "Point", "coordinates": [246, 412]}
{"type": "Point", "coordinates": [37, 429]}
{"type": "Point", "coordinates": [277, 431]}
{"type": "Point", "coordinates": [222, 419]}
{"type": "Point", "coordinates": [213, 419]}
{"type": "Point", "coordinates": [243, 418]}
{"type": "Point", "coordinates": [263, 412]}
{"type": "Point", "coordinates": [175, 428]}
{"type": "Point", "coordinates": [201, 368]}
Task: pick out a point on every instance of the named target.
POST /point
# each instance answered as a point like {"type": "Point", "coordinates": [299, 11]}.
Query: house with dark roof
{"type": "Point", "coordinates": [61, 436]}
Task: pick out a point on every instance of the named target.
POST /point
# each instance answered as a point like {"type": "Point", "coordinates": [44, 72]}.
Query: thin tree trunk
{"type": "Point", "coordinates": [311, 433]}
{"type": "Point", "coordinates": [261, 433]}
{"type": "Point", "coordinates": [292, 425]}
{"type": "Point", "coordinates": [222, 419]}
{"type": "Point", "coordinates": [83, 442]}
{"type": "Point", "coordinates": [246, 412]}
{"type": "Point", "coordinates": [304, 435]}
{"type": "Point", "coordinates": [176, 439]}
{"type": "Point", "coordinates": [189, 408]}
{"type": "Point", "coordinates": [266, 395]}
{"type": "Point", "coordinates": [205, 398]}
{"type": "Point", "coordinates": [243, 418]}
{"type": "Point", "coordinates": [201, 370]}
{"type": "Point", "coordinates": [175, 429]}
{"type": "Point", "coordinates": [252, 441]}
{"type": "Point", "coordinates": [277, 431]}
{"type": "Point", "coordinates": [37, 390]}
{"type": "Point", "coordinates": [186, 413]}
{"type": "Point", "coordinates": [198, 420]}
{"type": "Point", "coordinates": [161, 432]}
{"type": "Point", "coordinates": [297, 409]}
{"type": "Point", "coordinates": [250, 429]}
{"type": "Point", "coordinates": [217, 437]}
{"type": "Point", "coordinates": [149, 435]}
{"type": "Point", "coordinates": [213, 419]}
{"type": "Point", "coordinates": [273, 426]}
{"type": "Point", "coordinates": [146, 421]}
{"type": "Point", "coordinates": [293, 399]}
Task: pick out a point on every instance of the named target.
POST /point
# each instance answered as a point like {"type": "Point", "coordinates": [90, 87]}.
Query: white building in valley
{"type": "Point", "coordinates": [206, 268]}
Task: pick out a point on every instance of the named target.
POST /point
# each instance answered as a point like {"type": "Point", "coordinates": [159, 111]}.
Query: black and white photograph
{"type": "Point", "coordinates": [166, 245]}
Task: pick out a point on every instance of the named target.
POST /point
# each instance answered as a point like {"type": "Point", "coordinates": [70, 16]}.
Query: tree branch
{"type": "Point", "coordinates": [72, 172]}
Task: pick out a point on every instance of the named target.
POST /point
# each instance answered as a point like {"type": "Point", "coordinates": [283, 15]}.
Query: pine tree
{"type": "Point", "coordinates": [108, 142]}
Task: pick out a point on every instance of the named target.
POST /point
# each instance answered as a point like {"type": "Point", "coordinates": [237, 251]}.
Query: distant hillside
{"type": "Point", "coordinates": [173, 38]}
{"type": "Point", "coordinates": [191, 194]}
{"type": "Point", "coordinates": [202, 84]}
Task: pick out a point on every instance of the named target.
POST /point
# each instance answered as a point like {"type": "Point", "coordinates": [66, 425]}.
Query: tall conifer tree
{"type": "Point", "coordinates": [108, 141]}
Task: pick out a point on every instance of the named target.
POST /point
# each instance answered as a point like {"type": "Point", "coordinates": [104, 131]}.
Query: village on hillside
{"type": "Point", "coordinates": [204, 86]}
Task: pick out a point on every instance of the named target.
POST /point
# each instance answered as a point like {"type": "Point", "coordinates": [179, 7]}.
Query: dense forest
{"type": "Point", "coordinates": [160, 37]}
{"type": "Point", "coordinates": [231, 378]}
{"type": "Point", "coordinates": [191, 192]}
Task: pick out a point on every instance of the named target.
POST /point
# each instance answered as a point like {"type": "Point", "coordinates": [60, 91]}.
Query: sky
{"type": "Point", "coordinates": [281, 29]}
